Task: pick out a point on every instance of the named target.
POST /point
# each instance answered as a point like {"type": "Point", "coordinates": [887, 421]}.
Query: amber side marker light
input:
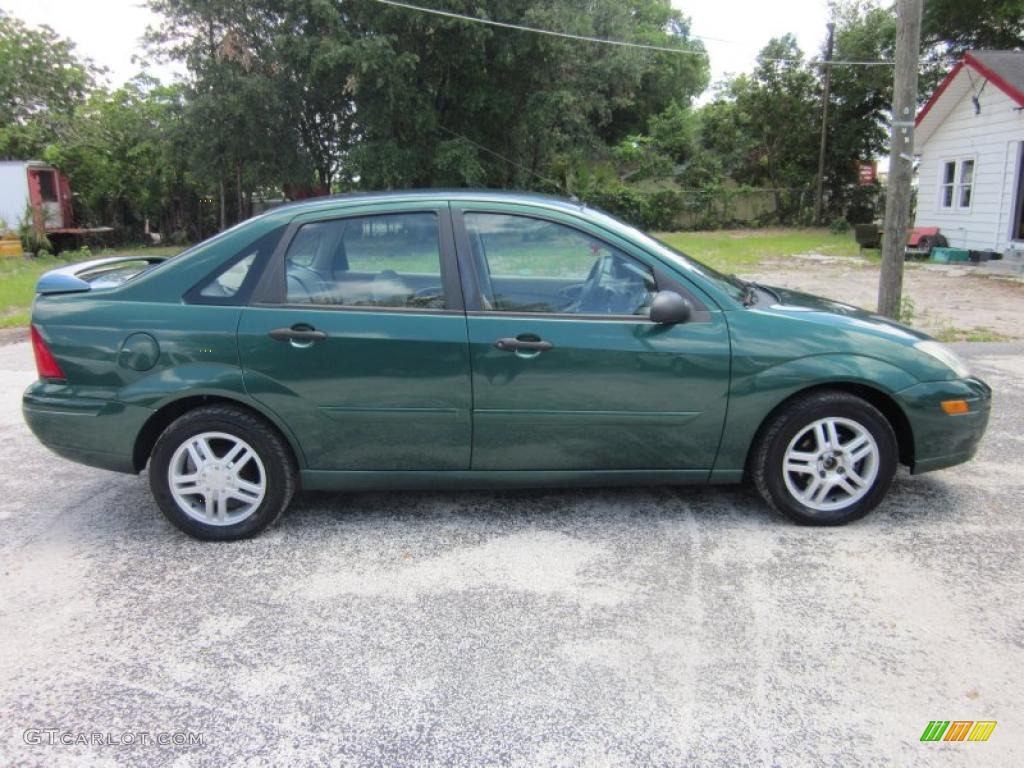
{"type": "Point", "coordinates": [955, 406]}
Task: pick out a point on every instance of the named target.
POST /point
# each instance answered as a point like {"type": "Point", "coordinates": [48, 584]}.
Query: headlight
{"type": "Point", "coordinates": [946, 356]}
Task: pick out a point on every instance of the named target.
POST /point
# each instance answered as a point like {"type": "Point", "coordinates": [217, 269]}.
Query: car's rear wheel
{"type": "Point", "coordinates": [825, 459]}
{"type": "Point", "coordinates": [220, 472]}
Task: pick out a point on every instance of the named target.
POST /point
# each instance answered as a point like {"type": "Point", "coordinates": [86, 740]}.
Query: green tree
{"type": "Point", "coordinates": [120, 155]}
{"type": "Point", "coordinates": [42, 81]}
{"type": "Point", "coordinates": [859, 105]}
{"type": "Point", "coordinates": [378, 97]}
{"type": "Point", "coordinates": [764, 125]}
{"type": "Point", "coordinates": [949, 28]}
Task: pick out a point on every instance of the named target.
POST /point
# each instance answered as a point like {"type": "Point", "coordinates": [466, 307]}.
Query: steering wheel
{"type": "Point", "coordinates": [593, 298]}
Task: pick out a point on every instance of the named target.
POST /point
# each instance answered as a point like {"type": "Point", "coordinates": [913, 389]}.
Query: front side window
{"type": "Point", "coordinates": [524, 264]}
{"type": "Point", "coordinates": [386, 260]}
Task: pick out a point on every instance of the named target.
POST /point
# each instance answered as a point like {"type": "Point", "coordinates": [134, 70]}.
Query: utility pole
{"type": "Point", "coordinates": [818, 198]}
{"type": "Point", "coordinates": [901, 159]}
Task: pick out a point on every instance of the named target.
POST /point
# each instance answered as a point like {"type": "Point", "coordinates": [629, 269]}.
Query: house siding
{"type": "Point", "coordinates": [993, 139]}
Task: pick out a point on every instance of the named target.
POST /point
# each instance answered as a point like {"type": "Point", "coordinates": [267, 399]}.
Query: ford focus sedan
{"type": "Point", "coordinates": [476, 339]}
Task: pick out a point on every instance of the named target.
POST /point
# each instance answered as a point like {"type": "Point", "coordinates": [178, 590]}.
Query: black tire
{"type": "Point", "coordinates": [272, 450]}
{"type": "Point", "coordinates": [768, 458]}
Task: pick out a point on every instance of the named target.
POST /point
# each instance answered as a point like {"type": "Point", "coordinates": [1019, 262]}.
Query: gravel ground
{"type": "Point", "coordinates": [608, 627]}
{"type": "Point", "coordinates": [948, 300]}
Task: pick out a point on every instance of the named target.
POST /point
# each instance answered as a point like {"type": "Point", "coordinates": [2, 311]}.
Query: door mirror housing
{"type": "Point", "coordinates": [669, 308]}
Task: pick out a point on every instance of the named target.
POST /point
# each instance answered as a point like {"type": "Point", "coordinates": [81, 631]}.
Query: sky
{"type": "Point", "coordinates": [741, 28]}
{"type": "Point", "coordinates": [110, 31]}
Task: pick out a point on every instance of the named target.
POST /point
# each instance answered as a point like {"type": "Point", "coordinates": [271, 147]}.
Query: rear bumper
{"type": "Point", "coordinates": [98, 433]}
{"type": "Point", "coordinates": [942, 440]}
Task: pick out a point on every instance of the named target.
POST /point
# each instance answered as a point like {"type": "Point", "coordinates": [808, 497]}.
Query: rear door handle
{"type": "Point", "coordinates": [297, 333]}
{"type": "Point", "coordinates": [510, 344]}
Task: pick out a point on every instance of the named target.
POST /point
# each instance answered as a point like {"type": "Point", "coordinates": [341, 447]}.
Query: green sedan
{"type": "Point", "coordinates": [476, 339]}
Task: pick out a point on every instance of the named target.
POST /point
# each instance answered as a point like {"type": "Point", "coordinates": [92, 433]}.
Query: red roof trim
{"type": "Point", "coordinates": [982, 70]}
{"type": "Point", "coordinates": [939, 91]}
{"type": "Point", "coordinates": [995, 79]}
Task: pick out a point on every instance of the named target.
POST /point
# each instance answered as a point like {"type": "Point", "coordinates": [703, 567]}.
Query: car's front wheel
{"type": "Point", "coordinates": [825, 459]}
{"type": "Point", "coordinates": [221, 473]}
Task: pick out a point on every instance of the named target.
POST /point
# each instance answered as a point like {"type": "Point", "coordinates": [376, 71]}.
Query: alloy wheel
{"type": "Point", "coordinates": [831, 464]}
{"type": "Point", "coordinates": [217, 478]}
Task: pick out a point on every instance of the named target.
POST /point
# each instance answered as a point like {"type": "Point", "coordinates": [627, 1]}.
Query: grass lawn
{"type": "Point", "coordinates": [18, 277]}
{"type": "Point", "coordinates": [740, 249]}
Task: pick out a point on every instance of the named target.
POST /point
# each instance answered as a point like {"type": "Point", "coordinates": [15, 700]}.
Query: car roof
{"type": "Point", "coordinates": [411, 195]}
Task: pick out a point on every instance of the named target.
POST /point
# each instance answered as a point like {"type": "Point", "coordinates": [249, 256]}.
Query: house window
{"type": "Point", "coordinates": [948, 179]}
{"type": "Point", "coordinates": [957, 183]}
{"type": "Point", "coordinates": [965, 183]}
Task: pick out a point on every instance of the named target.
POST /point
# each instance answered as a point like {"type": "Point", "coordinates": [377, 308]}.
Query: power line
{"type": "Point", "coordinates": [539, 31]}
{"type": "Point", "coordinates": [609, 41]}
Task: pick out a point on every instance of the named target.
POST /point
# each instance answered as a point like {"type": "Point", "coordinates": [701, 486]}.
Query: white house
{"type": "Point", "coordinates": [970, 139]}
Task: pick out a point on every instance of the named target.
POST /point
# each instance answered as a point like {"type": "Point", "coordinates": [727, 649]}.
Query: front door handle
{"type": "Point", "coordinates": [297, 333]}
{"type": "Point", "coordinates": [509, 344]}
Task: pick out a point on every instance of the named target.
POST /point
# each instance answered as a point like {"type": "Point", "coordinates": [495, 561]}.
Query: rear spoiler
{"type": "Point", "coordinates": [71, 279]}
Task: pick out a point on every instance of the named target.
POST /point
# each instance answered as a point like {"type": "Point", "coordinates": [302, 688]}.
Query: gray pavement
{"type": "Point", "coordinates": [601, 627]}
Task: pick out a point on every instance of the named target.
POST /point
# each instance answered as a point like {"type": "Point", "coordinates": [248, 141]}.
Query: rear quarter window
{"type": "Point", "coordinates": [233, 281]}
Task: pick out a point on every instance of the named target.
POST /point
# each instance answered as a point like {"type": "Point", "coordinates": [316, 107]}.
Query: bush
{"type": "Point", "coordinates": [33, 240]}
{"type": "Point", "coordinates": [839, 226]}
{"type": "Point", "coordinates": [646, 210]}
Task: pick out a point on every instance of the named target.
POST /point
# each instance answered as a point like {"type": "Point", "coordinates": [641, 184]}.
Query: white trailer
{"type": "Point", "coordinates": [34, 189]}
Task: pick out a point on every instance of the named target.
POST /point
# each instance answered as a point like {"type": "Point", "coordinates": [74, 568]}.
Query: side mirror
{"type": "Point", "coordinates": [669, 308]}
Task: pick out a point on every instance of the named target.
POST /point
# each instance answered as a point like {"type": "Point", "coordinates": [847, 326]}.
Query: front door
{"type": "Point", "coordinates": [357, 339]}
{"type": "Point", "coordinates": [568, 371]}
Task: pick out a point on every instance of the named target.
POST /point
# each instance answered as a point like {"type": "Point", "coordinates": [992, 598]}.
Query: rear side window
{"type": "Point", "coordinates": [386, 260]}
{"type": "Point", "coordinates": [233, 283]}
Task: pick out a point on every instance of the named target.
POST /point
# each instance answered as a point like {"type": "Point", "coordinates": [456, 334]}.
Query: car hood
{"type": "Point", "coordinates": [842, 316]}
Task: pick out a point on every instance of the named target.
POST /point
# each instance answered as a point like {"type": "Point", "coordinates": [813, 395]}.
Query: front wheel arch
{"type": "Point", "coordinates": [164, 416]}
{"type": "Point", "coordinates": [881, 400]}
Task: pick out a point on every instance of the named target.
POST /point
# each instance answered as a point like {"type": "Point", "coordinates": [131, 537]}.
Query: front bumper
{"type": "Point", "coordinates": [99, 433]}
{"type": "Point", "coordinates": [942, 440]}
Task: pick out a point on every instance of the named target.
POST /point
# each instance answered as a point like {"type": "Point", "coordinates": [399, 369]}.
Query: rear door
{"type": "Point", "coordinates": [568, 371]}
{"type": "Point", "coordinates": [356, 338]}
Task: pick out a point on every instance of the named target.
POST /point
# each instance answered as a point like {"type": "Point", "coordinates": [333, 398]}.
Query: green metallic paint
{"type": "Point", "coordinates": [422, 399]}
{"type": "Point", "coordinates": [942, 440]}
{"type": "Point", "coordinates": [100, 433]}
{"type": "Point", "coordinates": [611, 394]}
{"type": "Point", "coordinates": [386, 390]}
{"type": "Point", "coordinates": [140, 352]}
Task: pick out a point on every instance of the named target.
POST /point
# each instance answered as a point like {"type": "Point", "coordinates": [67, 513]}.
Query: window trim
{"type": "Point", "coordinates": [471, 282]}
{"type": "Point", "coordinates": [272, 288]}
{"type": "Point", "coordinates": [957, 185]}
{"type": "Point", "coordinates": [1017, 212]}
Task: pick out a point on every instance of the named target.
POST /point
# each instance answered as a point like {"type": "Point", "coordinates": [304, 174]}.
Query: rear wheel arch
{"type": "Point", "coordinates": [169, 412]}
{"type": "Point", "coordinates": [881, 400]}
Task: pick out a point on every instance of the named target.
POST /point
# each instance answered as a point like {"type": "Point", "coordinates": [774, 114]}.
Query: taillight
{"type": "Point", "coordinates": [46, 366]}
